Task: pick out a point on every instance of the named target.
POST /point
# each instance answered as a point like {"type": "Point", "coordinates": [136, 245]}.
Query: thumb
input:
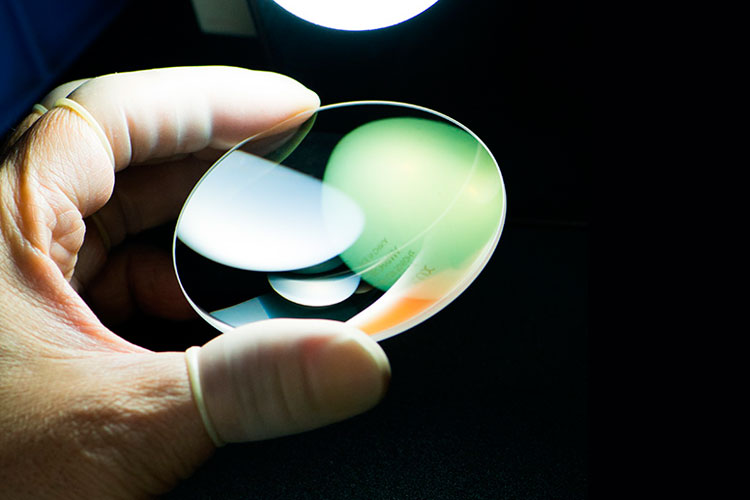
{"type": "Point", "coordinates": [137, 425]}
{"type": "Point", "coordinates": [285, 376]}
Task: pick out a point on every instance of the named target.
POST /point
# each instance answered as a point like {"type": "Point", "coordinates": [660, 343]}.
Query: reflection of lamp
{"type": "Point", "coordinates": [356, 15]}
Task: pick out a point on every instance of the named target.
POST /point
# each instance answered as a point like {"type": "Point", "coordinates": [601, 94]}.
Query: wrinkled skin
{"type": "Point", "coordinates": [84, 413]}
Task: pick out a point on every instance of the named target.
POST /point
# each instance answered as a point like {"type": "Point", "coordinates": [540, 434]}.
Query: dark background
{"type": "Point", "coordinates": [489, 398]}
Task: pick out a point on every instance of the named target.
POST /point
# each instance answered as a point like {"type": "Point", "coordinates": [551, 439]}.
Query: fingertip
{"type": "Point", "coordinates": [248, 102]}
{"type": "Point", "coordinates": [310, 97]}
{"type": "Point", "coordinates": [285, 376]}
{"type": "Point", "coordinates": [351, 374]}
{"type": "Point", "coordinates": [366, 344]}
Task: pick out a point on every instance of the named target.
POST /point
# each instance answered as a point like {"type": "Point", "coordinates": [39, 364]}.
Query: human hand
{"type": "Point", "coordinates": [83, 412]}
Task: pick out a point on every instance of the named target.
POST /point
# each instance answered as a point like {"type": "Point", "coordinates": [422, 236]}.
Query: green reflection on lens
{"type": "Point", "coordinates": [433, 192]}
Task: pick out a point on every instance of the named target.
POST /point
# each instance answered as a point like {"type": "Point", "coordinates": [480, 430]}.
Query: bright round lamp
{"type": "Point", "coordinates": [356, 15]}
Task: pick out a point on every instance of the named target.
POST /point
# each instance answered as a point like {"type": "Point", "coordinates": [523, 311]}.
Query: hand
{"type": "Point", "coordinates": [84, 413]}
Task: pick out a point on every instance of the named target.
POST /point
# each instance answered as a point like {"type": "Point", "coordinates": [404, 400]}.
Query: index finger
{"type": "Point", "coordinates": [64, 163]}
{"type": "Point", "coordinates": [160, 113]}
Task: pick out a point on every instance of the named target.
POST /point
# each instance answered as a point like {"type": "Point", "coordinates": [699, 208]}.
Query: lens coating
{"type": "Point", "coordinates": [375, 213]}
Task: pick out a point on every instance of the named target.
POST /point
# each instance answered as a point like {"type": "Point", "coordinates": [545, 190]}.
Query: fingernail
{"type": "Point", "coordinates": [374, 350]}
{"type": "Point", "coordinates": [353, 374]}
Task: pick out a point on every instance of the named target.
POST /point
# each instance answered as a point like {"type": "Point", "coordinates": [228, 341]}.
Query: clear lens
{"type": "Point", "coordinates": [374, 213]}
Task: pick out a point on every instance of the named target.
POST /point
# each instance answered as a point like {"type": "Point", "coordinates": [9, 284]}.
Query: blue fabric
{"type": "Point", "coordinates": [38, 40]}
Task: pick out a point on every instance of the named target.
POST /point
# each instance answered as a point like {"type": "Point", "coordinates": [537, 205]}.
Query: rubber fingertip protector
{"type": "Point", "coordinates": [78, 109]}
{"type": "Point", "coordinates": [281, 377]}
{"type": "Point", "coordinates": [193, 369]}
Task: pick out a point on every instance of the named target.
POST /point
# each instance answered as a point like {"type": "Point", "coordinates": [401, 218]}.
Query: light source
{"type": "Point", "coordinates": [356, 15]}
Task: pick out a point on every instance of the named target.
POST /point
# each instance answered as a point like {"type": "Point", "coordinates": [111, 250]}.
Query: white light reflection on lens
{"type": "Point", "coordinates": [315, 291]}
{"type": "Point", "coordinates": [256, 214]}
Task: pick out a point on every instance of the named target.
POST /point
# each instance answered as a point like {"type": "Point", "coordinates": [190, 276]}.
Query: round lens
{"type": "Point", "coordinates": [374, 213]}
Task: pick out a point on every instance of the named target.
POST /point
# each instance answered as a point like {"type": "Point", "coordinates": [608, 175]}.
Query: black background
{"type": "Point", "coordinates": [489, 398]}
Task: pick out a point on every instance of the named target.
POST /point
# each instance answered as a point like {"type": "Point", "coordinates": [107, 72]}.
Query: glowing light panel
{"type": "Point", "coordinates": [356, 15]}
